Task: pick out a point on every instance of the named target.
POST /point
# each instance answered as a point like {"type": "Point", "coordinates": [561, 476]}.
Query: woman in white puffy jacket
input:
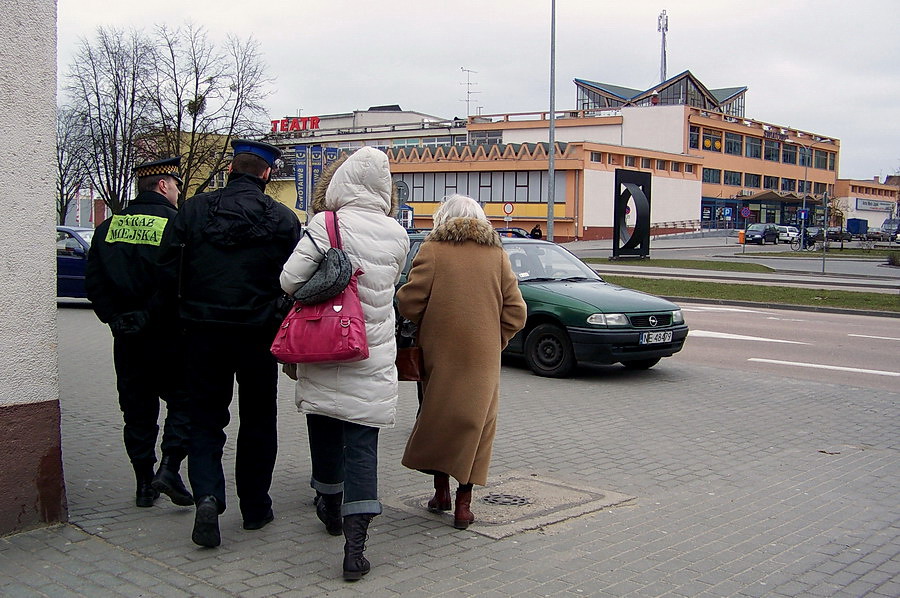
{"type": "Point", "coordinates": [347, 403]}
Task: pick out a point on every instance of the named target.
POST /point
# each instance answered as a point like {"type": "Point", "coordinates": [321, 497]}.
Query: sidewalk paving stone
{"type": "Point", "coordinates": [733, 496]}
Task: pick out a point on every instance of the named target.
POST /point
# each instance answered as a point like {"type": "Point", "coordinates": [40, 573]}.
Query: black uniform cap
{"type": "Point", "coordinates": [168, 166]}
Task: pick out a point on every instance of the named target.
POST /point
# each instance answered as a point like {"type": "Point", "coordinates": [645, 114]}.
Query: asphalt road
{"type": "Point", "coordinates": [830, 348]}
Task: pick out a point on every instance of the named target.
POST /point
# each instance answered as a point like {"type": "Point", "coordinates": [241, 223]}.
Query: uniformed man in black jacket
{"type": "Point", "coordinates": [223, 256]}
{"type": "Point", "coordinates": [122, 281]}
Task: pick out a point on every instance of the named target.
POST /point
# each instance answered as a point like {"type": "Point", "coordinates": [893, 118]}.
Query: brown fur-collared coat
{"type": "Point", "coordinates": [464, 296]}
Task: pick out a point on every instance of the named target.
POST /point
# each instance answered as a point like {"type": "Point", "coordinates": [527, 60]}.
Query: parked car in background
{"type": "Point", "coordinates": [836, 233]}
{"type": "Point", "coordinates": [72, 246]}
{"type": "Point", "coordinates": [761, 233]}
{"type": "Point", "coordinates": [876, 233]}
{"type": "Point", "coordinates": [520, 233]}
{"type": "Point", "coordinates": [814, 233]}
{"type": "Point", "coordinates": [891, 227]}
{"type": "Point", "coordinates": [574, 316]}
{"type": "Point", "coordinates": [787, 234]}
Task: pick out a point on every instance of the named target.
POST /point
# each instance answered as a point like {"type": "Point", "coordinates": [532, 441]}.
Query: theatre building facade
{"type": "Point", "coordinates": [711, 167]}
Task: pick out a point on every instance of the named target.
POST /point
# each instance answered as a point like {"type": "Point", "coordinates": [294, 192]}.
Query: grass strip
{"type": "Point", "coordinates": [832, 252]}
{"type": "Point", "coordinates": [720, 266]}
{"type": "Point", "coordinates": [759, 293]}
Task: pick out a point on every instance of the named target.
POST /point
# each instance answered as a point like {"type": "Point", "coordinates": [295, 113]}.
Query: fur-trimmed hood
{"type": "Point", "coordinates": [360, 177]}
{"type": "Point", "coordinates": [459, 230]}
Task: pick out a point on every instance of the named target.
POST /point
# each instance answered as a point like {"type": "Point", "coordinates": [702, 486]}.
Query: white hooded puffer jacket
{"type": "Point", "coordinates": [363, 392]}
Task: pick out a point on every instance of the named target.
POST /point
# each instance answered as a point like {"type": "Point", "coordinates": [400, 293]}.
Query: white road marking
{"type": "Point", "coordinates": [786, 319]}
{"type": "Point", "coordinates": [696, 307]}
{"type": "Point", "coordinates": [739, 337]}
{"type": "Point", "coordinates": [819, 366]}
{"type": "Point", "coordinates": [884, 338]}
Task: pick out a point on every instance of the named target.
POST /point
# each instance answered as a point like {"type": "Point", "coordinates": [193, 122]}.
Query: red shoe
{"type": "Point", "coordinates": [463, 516]}
{"type": "Point", "coordinates": [441, 500]}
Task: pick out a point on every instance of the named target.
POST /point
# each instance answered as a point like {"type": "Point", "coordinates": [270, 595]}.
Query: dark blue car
{"type": "Point", "coordinates": [72, 245]}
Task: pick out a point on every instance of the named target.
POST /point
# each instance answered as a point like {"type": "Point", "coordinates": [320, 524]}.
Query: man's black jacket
{"type": "Point", "coordinates": [223, 255]}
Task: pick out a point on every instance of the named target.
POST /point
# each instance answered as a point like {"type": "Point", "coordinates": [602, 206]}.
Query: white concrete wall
{"type": "Point", "coordinates": [598, 134]}
{"type": "Point", "coordinates": [660, 128]}
{"type": "Point", "coordinates": [670, 199]}
{"type": "Point", "coordinates": [28, 365]}
{"type": "Point", "coordinates": [874, 217]}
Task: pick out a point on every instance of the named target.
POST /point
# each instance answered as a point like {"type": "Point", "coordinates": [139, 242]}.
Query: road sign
{"type": "Point", "coordinates": [745, 212]}
{"type": "Point", "coordinates": [802, 214]}
{"type": "Point", "coordinates": [507, 208]}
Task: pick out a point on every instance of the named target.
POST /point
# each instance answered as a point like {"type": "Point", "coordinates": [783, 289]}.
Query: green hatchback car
{"type": "Point", "coordinates": [574, 316]}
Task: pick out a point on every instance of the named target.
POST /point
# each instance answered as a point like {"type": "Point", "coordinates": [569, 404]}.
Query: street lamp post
{"type": "Point", "coordinates": [551, 166]}
{"type": "Point", "coordinates": [809, 156]}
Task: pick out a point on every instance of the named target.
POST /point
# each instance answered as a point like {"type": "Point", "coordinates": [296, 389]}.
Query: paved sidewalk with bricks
{"type": "Point", "coordinates": [743, 486]}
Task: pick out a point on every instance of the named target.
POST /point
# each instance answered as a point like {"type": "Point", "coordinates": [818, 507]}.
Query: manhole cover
{"type": "Point", "coordinates": [514, 502]}
{"type": "Point", "coordinates": [506, 500]}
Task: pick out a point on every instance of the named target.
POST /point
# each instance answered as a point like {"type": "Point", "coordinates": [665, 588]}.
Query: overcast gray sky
{"type": "Point", "coordinates": [830, 67]}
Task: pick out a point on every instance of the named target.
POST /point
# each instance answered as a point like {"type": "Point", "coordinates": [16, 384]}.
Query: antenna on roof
{"type": "Point", "coordinates": [468, 85]}
{"type": "Point", "coordinates": [663, 27]}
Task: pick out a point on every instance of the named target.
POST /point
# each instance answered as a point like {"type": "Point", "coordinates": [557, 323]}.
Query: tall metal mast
{"type": "Point", "coordinates": [663, 27]}
{"type": "Point", "coordinates": [468, 85]}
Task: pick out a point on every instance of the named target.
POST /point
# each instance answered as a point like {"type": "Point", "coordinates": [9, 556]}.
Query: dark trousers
{"type": "Point", "coordinates": [147, 370]}
{"type": "Point", "coordinates": [345, 459]}
{"type": "Point", "coordinates": [215, 358]}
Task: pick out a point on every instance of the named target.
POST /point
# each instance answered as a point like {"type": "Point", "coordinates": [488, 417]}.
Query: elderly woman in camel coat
{"type": "Point", "coordinates": [465, 298]}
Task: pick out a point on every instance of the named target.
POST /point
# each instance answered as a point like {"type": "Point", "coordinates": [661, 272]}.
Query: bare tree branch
{"type": "Point", "coordinates": [72, 151]}
{"type": "Point", "coordinates": [202, 97]}
{"type": "Point", "coordinates": [104, 81]}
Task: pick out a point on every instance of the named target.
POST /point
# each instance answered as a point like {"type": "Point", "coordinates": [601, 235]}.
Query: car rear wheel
{"type": "Point", "coordinates": [641, 364]}
{"type": "Point", "coordinates": [548, 351]}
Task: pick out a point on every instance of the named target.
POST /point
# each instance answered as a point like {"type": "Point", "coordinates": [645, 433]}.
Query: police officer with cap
{"type": "Point", "coordinates": [222, 258]}
{"type": "Point", "coordinates": [122, 281]}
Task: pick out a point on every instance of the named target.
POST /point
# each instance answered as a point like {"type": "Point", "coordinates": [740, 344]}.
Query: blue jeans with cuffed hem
{"type": "Point", "coordinates": [345, 459]}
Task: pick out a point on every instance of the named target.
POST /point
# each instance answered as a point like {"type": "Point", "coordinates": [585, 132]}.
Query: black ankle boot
{"type": "Point", "coordinates": [168, 481]}
{"type": "Point", "coordinates": [355, 532]}
{"type": "Point", "coordinates": [206, 523]}
{"type": "Point", "coordinates": [328, 510]}
{"type": "Point", "coordinates": [144, 494]}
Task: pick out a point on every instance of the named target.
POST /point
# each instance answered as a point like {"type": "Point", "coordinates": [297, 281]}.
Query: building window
{"type": "Point", "coordinates": [689, 168]}
{"type": "Point", "coordinates": [629, 161]}
{"type": "Point", "coordinates": [831, 160]}
{"type": "Point", "coordinates": [789, 154]}
{"type": "Point", "coordinates": [694, 140]}
{"type": "Point", "coordinates": [770, 182]}
{"type": "Point", "coordinates": [734, 144]}
{"type": "Point", "coordinates": [676, 166]}
{"type": "Point", "coordinates": [712, 175]}
{"type": "Point", "coordinates": [660, 165]}
{"type": "Point", "coordinates": [219, 180]}
{"type": "Point", "coordinates": [485, 137]}
{"type": "Point", "coordinates": [805, 154]}
{"type": "Point", "coordinates": [645, 162]}
{"type": "Point", "coordinates": [610, 159]}
{"type": "Point", "coordinates": [596, 157]}
{"type": "Point", "coordinates": [773, 151]}
{"type": "Point", "coordinates": [732, 178]}
{"type": "Point", "coordinates": [712, 140]}
{"type": "Point", "coordinates": [484, 187]}
{"type": "Point", "coordinates": [753, 147]}
{"type": "Point", "coordinates": [804, 186]}
{"type": "Point", "coordinates": [821, 188]}
{"type": "Point", "coordinates": [821, 159]}
{"type": "Point", "coordinates": [788, 184]}
{"type": "Point", "coordinates": [752, 180]}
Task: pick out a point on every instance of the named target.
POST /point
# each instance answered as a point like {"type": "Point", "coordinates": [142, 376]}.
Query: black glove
{"type": "Point", "coordinates": [283, 306]}
{"type": "Point", "coordinates": [130, 322]}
